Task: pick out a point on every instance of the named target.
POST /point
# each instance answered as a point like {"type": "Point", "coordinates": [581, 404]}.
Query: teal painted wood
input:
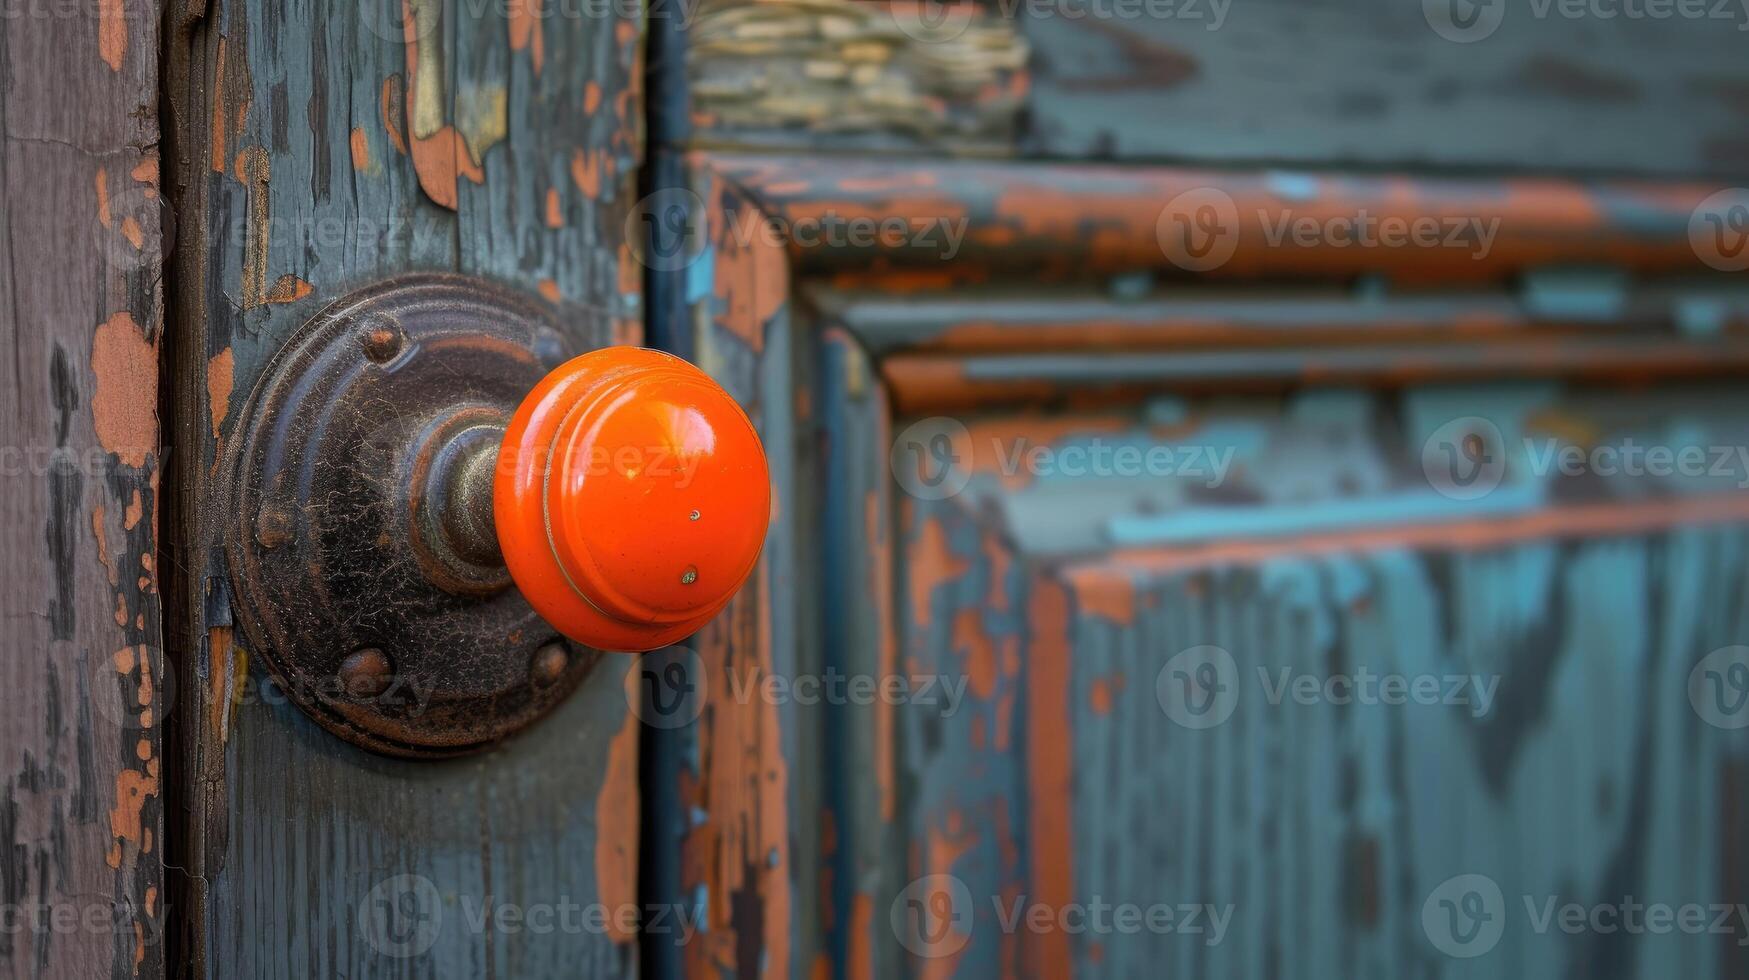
{"type": "Point", "coordinates": [1528, 87]}
{"type": "Point", "coordinates": [1588, 777]}
{"type": "Point", "coordinates": [1568, 755]}
{"type": "Point", "coordinates": [317, 150]}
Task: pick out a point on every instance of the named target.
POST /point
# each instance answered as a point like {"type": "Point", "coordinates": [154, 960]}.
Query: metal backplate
{"type": "Point", "coordinates": [363, 617]}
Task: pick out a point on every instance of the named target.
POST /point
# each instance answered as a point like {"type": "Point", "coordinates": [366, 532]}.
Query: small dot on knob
{"type": "Point", "coordinates": [689, 576]}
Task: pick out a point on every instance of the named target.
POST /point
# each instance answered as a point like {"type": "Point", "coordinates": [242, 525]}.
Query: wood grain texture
{"type": "Point", "coordinates": [1327, 828]}
{"type": "Point", "coordinates": [82, 669]}
{"type": "Point", "coordinates": [749, 857]}
{"type": "Point", "coordinates": [1054, 600]}
{"type": "Point", "coordinates": [845, 75]}
{"type": "Point", "coordinates": [1373, 85]}
{"type": "Point", "coordinates": [320, 148]}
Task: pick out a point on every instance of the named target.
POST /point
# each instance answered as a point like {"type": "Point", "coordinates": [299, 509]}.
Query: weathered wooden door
{"type": "Point", "coordinates": [305, 151]}
{"type": "Point", "coordinates": [1204, 541]}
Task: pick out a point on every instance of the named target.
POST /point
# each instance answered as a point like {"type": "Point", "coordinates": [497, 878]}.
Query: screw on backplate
{"type": "Point", "coordinates": [272, 527]}
{"type": "Point", "coordinates": [689, 576]}
{"type": "Point", "coordinates": [382, 341]}
{"type": "Point", "coordinates": [365, 674]}
{"type": "Point", "coordinates": [550, 662]}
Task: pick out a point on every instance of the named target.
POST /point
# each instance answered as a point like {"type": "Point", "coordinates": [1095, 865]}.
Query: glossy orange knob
{"type": "Point", "coordinates": [631, 498]}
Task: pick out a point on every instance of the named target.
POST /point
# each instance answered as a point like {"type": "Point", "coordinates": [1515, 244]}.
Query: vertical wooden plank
{"type": "Point", "coordinates": [321, 147]}
{"type": "Point", "coordinates": [1585, 775]}
{"type": "Point", "coordinates": [81, 766]}
{"type": "Point", "coordinates": [864, 856]}
{"type": "Point", "coordinates": [746, 857]}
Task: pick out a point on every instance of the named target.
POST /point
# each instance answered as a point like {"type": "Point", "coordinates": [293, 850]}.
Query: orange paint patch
{"type": "Point", "coordinates": [99, 532]}
{"type": "Point", "coordinates": [146, 172]}
{"type": "Point", "coordinates": [980, 656]}
{"type": "Point", "coordinates": [360, 149]}
{"type": "Point", "coordinates": [549, 289]}
{"type": "Point", "coordinates": [125, 818]}
{"type": "Point", "coordinates": [287, 289]}
{"type": "Point", "coordinates": [525, 30]}
{"type": "Point", "coordinates": [555, 217]}
{"type": "Point", "coordinates": [103, 216]}
{"type": "Point", "coordinates": [392, 113]}
{"type": "Point", "coordinates": [591, 97]}
{"type": "Point", "coordinates": [1050, 769]}
{"type": "Point", "coordinates": [586, 167]}
{"type": "Point", "coordinates": [440, 160]}
{"type": "Point", "coordinates": [1100, 697]}
{"type": "Point", "coordinates": [135, 509]}
{"type": "Point", "coordinates": [930, 564]}
{"type": "Point", "coordinates": [112, 32]}
{"type": "Point", "coordinates": [219, 378]}
{"type": "Point", "coordinates": [124, 402]}
{"type": "Point", "coordinates": [859, 957]}
{"type": "Point", "coordinates": [752, 274]}
{"type": "Point", "coordinates": [616, 822]}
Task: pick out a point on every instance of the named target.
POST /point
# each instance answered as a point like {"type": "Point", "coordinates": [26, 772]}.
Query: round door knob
{"type": "Point", "coordinates": [629, 499]}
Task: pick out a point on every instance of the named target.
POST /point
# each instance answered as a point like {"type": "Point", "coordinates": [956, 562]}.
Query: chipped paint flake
{"type": "Point", "coordinates": [124, 402]}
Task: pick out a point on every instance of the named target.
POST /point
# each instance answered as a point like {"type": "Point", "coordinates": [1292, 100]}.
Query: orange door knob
{"type": "Point", "coordinates": [629, 498]}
